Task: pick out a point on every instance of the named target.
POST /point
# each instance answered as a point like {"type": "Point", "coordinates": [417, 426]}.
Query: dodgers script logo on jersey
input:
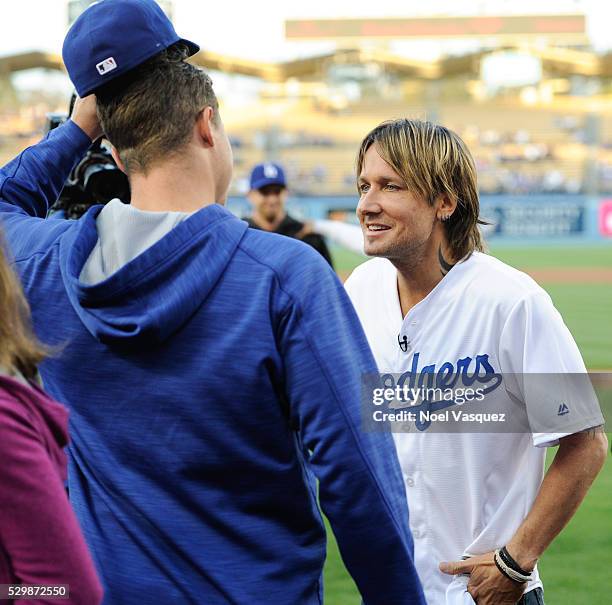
{"type": "Point", "coordinates": [436, 388]}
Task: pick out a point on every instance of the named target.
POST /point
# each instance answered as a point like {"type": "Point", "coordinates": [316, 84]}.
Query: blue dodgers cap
{"type": "Point", "coordinates": [267, 174]}
{"type": "Point", "coordinates": [111, 37]}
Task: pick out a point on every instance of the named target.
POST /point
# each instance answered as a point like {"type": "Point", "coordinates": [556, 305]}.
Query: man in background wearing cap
{"type": "Point", "coordinates": [268, 194]}
{"type": "Point", "coordinates": [212, 371]}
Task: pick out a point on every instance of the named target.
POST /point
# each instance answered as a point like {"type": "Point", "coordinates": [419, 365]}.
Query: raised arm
{"type": "Point", "coordinates": [360, 487]}
{"type": "Point", "coordinates": [32, 182]}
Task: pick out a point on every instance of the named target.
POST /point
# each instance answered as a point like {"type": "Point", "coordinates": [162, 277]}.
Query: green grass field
{"type": "Point", "coordinates": [576, 567]}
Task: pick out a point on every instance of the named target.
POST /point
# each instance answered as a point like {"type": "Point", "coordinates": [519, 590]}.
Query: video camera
{"type": "Point", "coordinates": [96, 179]}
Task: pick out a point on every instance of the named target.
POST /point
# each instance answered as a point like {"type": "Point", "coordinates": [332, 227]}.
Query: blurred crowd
{"type": "Point", "coordinates": [566, 159]}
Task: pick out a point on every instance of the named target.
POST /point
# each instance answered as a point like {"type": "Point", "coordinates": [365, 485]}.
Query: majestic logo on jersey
{"type": "Point", "coordinates": [563, 409]}
{"type": "Point", "coordinates": [466, 372]}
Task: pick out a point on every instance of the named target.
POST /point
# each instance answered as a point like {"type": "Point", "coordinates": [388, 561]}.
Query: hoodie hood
{"type": "Point", "coordinates": [152, 296]}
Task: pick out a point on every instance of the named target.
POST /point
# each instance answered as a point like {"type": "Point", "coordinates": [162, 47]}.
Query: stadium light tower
{"type": "Point", "coordinates": [76, 7]}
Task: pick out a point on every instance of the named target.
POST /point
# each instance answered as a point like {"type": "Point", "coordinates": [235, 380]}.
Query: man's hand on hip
{"type": "Point", "coordinates": [85, 116]}
{"type": "Point", "coordinates": [487, 585]}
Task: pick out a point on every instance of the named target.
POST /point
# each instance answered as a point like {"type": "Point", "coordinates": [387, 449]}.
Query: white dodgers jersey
{"type": "Point", "coordinates": [469, 492]}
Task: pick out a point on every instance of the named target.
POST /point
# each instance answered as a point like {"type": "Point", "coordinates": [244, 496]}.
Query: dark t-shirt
{"type": "Point", "coordinates": [302, 231]}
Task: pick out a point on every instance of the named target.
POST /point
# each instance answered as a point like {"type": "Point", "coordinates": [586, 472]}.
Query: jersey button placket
{"type": "Point", "coordinates": [418, 515]}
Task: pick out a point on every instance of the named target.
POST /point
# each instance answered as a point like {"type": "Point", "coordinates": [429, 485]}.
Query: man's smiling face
{"type": "Point", "coordinates": [395, 222]}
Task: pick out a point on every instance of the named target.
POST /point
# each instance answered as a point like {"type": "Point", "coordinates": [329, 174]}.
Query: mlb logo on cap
{"type": "Point", "coordinates": [267, 174]}
{"type": "Point", "coordinates": [107, 65]}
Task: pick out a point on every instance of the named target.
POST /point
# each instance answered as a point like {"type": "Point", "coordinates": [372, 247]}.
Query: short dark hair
{"type": "Point", "coordinates": [149, 112]}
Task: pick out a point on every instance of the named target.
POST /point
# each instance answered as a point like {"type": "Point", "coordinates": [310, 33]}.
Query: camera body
{"type": "Point", "coordinates": [96, 179]}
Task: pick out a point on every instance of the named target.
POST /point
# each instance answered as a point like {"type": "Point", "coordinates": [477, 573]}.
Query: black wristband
{"type": "Point", "coordinates": [503, 572]}
{"type": "Point", "coordinates": [511, 563]}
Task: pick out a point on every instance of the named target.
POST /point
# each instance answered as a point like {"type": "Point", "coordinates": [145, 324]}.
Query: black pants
{"type": "Point", "coordinates": [533, 597]}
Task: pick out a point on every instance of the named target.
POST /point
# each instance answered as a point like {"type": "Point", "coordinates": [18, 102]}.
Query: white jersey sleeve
{"type": "Point", "coordinates": [543, 368]}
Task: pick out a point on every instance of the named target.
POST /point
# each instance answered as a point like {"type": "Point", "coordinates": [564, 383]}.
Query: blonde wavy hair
{"type": "Point", "coordinates": [432, 161]}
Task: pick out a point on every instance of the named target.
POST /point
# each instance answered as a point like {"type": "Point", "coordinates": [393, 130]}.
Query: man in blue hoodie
{"type": "Point", "coordinates": [212, 371]}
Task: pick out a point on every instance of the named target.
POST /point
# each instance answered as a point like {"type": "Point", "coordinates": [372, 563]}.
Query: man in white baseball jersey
{"type": "Point", "coordinates": [481, 510]}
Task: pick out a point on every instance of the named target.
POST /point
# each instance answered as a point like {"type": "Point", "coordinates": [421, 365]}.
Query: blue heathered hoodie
{"type": "Point", "coordinates": [210, 380]}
